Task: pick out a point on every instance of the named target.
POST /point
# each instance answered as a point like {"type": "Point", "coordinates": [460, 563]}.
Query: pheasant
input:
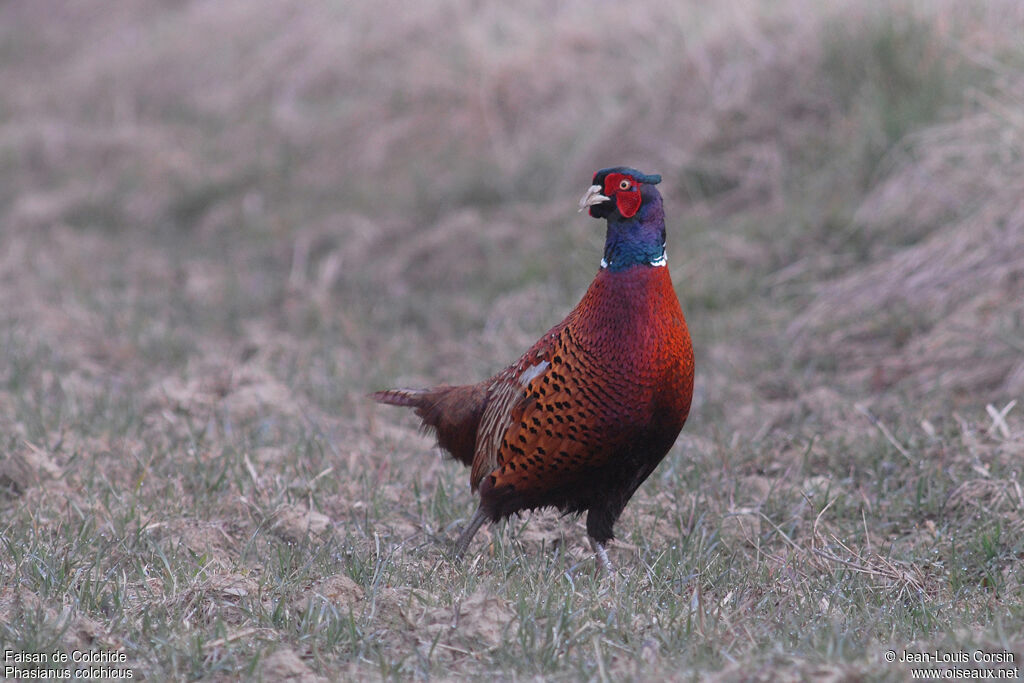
{"type": "Point", "coordinates": [584, 416]}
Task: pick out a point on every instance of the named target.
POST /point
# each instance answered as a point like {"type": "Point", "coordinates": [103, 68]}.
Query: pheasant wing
{"type": "Point", "coordinates": [569, 421]}
{"type": "Point", "coordinates": [506, 398]}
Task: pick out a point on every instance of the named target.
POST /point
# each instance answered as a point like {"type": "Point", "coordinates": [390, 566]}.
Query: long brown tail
{"type": "Point", "coordinates": [453, 413]}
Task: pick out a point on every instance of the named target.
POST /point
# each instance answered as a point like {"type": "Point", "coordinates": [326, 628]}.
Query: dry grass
{"type": "Point", "coordinates": [225, 222]}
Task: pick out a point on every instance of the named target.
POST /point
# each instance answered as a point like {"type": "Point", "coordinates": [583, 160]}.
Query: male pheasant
{"type": "Point", "coordinates": [584, 416]}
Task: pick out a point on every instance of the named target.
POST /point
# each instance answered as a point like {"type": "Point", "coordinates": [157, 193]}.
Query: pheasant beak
{"type": "Point", "coordinates": [593, 196]}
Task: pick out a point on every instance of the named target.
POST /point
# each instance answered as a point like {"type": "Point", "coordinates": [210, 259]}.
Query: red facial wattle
{"type": "Point", "coordinates": [625, 191]}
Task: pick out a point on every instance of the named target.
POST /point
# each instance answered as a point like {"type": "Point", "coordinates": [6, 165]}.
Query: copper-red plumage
{"type": "Point", "coordinates": [584, 416]}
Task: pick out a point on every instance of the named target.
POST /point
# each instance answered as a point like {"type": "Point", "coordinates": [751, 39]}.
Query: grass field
{"type": "Point", "coordinates": [223, 223]}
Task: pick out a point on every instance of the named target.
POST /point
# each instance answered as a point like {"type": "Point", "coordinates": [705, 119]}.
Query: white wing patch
{"type": "Point", "coordinates": [532, 371]}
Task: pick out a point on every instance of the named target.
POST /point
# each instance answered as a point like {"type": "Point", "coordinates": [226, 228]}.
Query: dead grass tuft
{"type": "Point", "coordinates": [940, 315]}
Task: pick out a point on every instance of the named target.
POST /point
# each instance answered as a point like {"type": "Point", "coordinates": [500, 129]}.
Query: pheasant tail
{"type": "Point", "coordinates": [451, 412]}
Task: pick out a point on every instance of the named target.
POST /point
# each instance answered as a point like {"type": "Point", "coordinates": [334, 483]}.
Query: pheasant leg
{"type": "Point", "coordinates": [602, 556]}
{"type": "Point", "coordinates": [479, 517]}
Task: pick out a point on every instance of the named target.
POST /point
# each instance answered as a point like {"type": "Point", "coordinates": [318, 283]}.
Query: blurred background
{"type": "Point", "coordinates": [222, 223]}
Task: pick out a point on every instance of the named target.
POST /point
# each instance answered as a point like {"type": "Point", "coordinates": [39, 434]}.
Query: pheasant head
{"type": "Point", "coordinates": [630, 202]}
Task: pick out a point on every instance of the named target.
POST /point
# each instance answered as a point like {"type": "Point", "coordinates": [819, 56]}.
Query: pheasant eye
{"type": "Point", "coordinates": [624, 184]}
